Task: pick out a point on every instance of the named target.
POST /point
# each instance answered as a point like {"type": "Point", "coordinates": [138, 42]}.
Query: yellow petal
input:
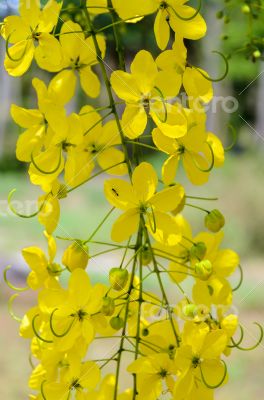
{"type": "Point", "coordinates": [213, 372]}
{"type": "Point", "coordinates": [145, 181]}
{"type": "Point", "coordinates": [226, 262]}
{"type": "Point", "coordinates": [196, 176]}
{"type": "Point", "coordinates": [166, 231]}
{"type": "Point", "coordinates": [134, 121]}
{"type": "Point", "coordinates": [162, 29]}
{"type": "Point", "coordinates": [193, 29]}
{"type": "Point", "coordinates": [214, 344]}
{"type": "Point", "coordinates": [24, 52]}
{"type": "Point", "coordinates": [168, 199]}
{"type": "Point", "coordinates": [112, 156]}
{"type": "Point", "coordinates": [89, 82]}
{"type": "Point", "coordinates": [125, 225]}
{"type": "Point", "coordinates": [62, 86]}
{"type": "Point", "coordinates": [35, 258]}
{"type": "Point", "coordinates": [120, 194]}
{"type": "Point", "coordinates": [144, 71]}
{"type": "Point", "coordinates": [125, 86]}
{"type": "Point", "coordinates": [25, 118]}
{"type": "Point", "coordinates": [48, 53]}
{"type": "Point", "coordinates": [169, 169]}
{"type": "Point", "coordinates": [218, 150]}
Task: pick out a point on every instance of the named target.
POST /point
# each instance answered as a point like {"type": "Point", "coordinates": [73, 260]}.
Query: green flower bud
{"type": "Point", "coordinates": [190, 310]}
{"type": "Point", "coordinates": [245, 9]}
{"type": "Point", "coordinates": [214, 221]}
{"type": "Point", "coordinates": [219, 14]}
{"type": "Point", "coordinates": [76, 256]}
{"type": "Point", "coordinates": [256, 54]}
{"type": "Point", "coordinates": [117, 323]}
{"type": "Point", "coordinates": [146, 256]}
{"type": "Point", "coordinates": [145, 332]}
{"type": "Point", "coordinates": [198, 250]}
{"type": "Point", "coordinates": [118, 278]}
{"type": "Point", "coordinates": [108, 307]}
{"type": "Point", "coordinates": [204, 269]}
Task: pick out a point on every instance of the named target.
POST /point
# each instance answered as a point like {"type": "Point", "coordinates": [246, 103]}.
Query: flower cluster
{"type": "Point", "coordinates": [178, 345]}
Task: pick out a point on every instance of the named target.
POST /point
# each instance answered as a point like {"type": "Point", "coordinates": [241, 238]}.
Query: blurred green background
{"type": "Point", "coordinates": [239, 186]}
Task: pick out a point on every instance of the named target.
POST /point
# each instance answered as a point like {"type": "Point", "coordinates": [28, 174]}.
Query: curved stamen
{"type": "Point", "coordinates": [235, 344]}
{"type": "Point", "coordinates": [164, 106]}
{"type": "Point", "coordinates": [42, 391]}
{"type": "Point", "coordinates": [208, 78]}
{"type": "Point", "coordinates": [187, 18]}
{"type": "Point", "coordinates": [8, 53]}
{"type": "Point", "coordinates": [14, 211]}
{"type": "Point", "coordinates": [47, 172]}
{"type": "Point", "coordinates": [10, 308]}
{"type": "Point", "coordinates": [253, 347]}
{"type": "Point", "coordinates": [211, 166]}
{"type": "Point", "coordinates": [240, 280]}
{"type": "Point", "coordinates": [219, 384]}
{"type": "Point", "coordinates": [234, 137]}
{"type": "Point", "coordinates": [59, 335]}
{"type": "Point", "coordinates": [152, 219]}
{"type": "Point", "coordinates": [36, 332]}
{"type": "Point", "coordinates": [9, 284]}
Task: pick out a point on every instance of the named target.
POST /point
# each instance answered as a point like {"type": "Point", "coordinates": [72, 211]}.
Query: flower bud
{"type": "Point", "coordinates": [146, 255]}
{"type": "Point", "coordinates": [256, 54]}
{"type": "Point", "coordinates": [214, 221]}
{"type": "Point", "coordinates": [108, 307]}
{"type": "Point", "coordinates": [203, 269]}
{"type": "Point", "coordinates": [117, 323]}
{"type": "Point", "coordinates": [219, 14]}
{"type": "Point", "coordinates": [230, 324]}
{"type": "Point", "coordinates": [245, 9]}
{"type": "Point", "coordinates": [198, 250]}
{"type": "Point", "coordinates": [75, 256]}
{"type": "Point", "coordinates": [118, 278]}
{"type": "Point", "coordinates": [190, 310]}
{"type": "Point", "coordinates": [145, 332]}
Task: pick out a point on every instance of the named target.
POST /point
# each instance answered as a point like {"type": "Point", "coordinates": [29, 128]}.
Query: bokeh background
{"type": "Point", "coordinates": [239, 186]}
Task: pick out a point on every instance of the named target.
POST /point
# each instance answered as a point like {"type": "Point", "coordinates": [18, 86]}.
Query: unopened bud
{"type": "Point", "coordinates": [204, 269]}
{"type": "Point", "coordinates": [219, 14]}
{"type": "Point", "coordinates": [146, 255]}
{"type": "Point", "coordinates": [118, 278]}
{"type": "Point", "coordinates": [76, 256]}
{"type": "Point", "coordinates": [256, 54]}
{"type": "Point", "coordinates": [190, 310]}
{"type": "Point", "coordinates": [198, 250]}
{"type": "Point", "coordinates": [245, 9]}
{"type": "Point", "coordinates": [117, 323]}
{"type": "Point", "coordinates": [108, 307]}
{"type": "Point", "coordinates": [214, 221]}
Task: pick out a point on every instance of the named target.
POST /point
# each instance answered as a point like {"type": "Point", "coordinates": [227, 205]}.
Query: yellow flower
{"type": "Point", "coordinates": [44, 272]}
{"type": "Point", "coordinates": [49, 206]}
{"type": "Point", "coordinates": [79, 55]}
{"type": "Point", "coordinates": [42, 123]}
{"type": "Point", "coordinates": [74, 385]}
{"type": "Point", "coordinates": [100, 141]}
{"type": "Point", "coordinates": [215, 289]}
{"type": "Point", "coordinates": [140, 200]}
{"type": "Point", "coordinates": [172, 14]}
{"type": "Point", "coordinates": [152, 373]}
{"type": "Point", "coordinates": [198, 360]}
{"type": "Point", "coordinates": [30, 37]}
{"type": "Point", "coordinates": [75, 314]}
{"type": "Point", "coordinates": [145, 91]}
{"type": "Point", "coordinates": [199, 151]}
{"type": "Point", "coordinates": [49, 163]}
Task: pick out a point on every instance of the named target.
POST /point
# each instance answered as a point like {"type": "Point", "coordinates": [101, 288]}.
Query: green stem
{"type": "Point", "coordinates": [107, 85]}
{"type": "Point", "coordinates": [100, 225]}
